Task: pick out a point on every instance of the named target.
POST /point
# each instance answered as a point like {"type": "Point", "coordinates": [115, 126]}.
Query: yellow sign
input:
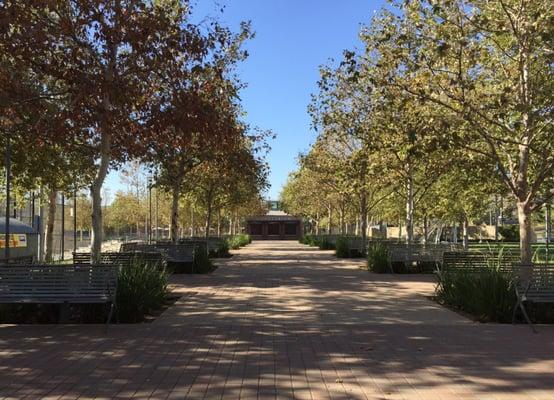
{"type": "Point", "coordinates": [16, 240]}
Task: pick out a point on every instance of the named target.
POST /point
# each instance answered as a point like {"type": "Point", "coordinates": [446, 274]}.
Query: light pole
{"type": "Point", "coordinates": [548, 227]}
{"type": "Point", "coordinates": [62, 241]}
{"type": "Point", "coordinates": [157, 216]}
{"type": "Point", "coordinates": [8, 198]}
{"type": "Point", "coordinates": [75, 220]}
{"type": "Point", "coordinates": [150, 210]}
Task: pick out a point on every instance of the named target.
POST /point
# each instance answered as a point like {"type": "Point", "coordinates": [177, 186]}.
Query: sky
{"type": "Point", "coordinates": [293, 38]}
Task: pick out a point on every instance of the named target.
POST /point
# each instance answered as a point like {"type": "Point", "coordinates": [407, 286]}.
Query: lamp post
{"type": "Point", "coordinates": [8, 198]}
{"type": "Point", "coordinates": [150, 209]}
{"type": "Point", "coordinates": [75, 220]}
{"type": "Point", "coordinates": [62, 241]}
{"type": "Point", "coordinates": [548, 227]}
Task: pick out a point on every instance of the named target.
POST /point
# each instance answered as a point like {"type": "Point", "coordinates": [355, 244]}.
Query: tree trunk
{"type": "Point", "coordinates": [209, 201]}
{"type": "Point", "coordinates": [399, 231]}
{"type": "Point", "coordinates": [49, 242]}
{"type": "Point", "coordinates": [438, 234]}
{"type": "Point", "coordinates": [465, 229]}
{"type": "Point", "coordinates": [410, 205]}
{"type": "Point", "coordinates": [425, 229]}
{"type": "Point", "coordinates": [41, 227]}
{"type": "Point", "coordinates": [218, 222]}
{"type": "Point", "coordinates": [525, 232]}
{"type": "Point", "coordinates": [317, 224]}
{"type": "Point", "coordinates": [330, 215]}
{"type": "Point", "coordinates": [95, 191]}
{"type": "Point", "coordinates": [174, 224]}
{"type": "Point", "coordinates": [341, 220]}
{"type": "Point", "coordinates": [191, 221]}
{"type": "Point", "coordinates": [363, 217]}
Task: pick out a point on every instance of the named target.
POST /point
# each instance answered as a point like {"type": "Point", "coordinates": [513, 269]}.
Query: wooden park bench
{"type": "Point", "coordinates": [125, 259]}
{"type": "Point", "coordinates": [212, 244]}
{"type": "Point", "coordinates": [357, 246]}
{"type": "Point", "coordinates": [17, 260]}
{"type": "Point", "coordinates": [130, 246]}
{"type": "Point", "coordinates": [417, 253]}
{"type": "Point", "coordinates": [475, 261]}
{"type": "Point", "coordinates": [533, 283]}
{"type": "Point", "coordinates": [177, 253]}
{"type": "Point", "coordinates": [59, 284]}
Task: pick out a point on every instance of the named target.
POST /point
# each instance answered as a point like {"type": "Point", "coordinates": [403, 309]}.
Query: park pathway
{"type": "Point", "coordinates": [282, 320]}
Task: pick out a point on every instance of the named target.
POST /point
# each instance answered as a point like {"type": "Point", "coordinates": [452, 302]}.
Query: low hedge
{"type": "Point", "coordinates": [141, 289]}
{"type": "Point", "coordinates": [488, 295]}
{"type": "Point", "coordinates": [342, 249]}
{"type": "Point", "coordinates": [378, 258]}
{"type": "Point", "coordinates": [237, 241]}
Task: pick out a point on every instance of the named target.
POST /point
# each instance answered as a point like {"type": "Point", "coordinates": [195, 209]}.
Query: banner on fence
{"type": "Point", "coordinates": [16, 240]}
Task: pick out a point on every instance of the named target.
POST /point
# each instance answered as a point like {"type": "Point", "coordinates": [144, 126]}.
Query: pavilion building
{"type": "Point", "coordinates": [275, 225]}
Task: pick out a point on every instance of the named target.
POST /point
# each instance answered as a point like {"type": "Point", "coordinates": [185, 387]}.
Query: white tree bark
{"type": "Point", "coordinates": [49, 234]}
{"type": "Point", "coordinates": [95, 191]}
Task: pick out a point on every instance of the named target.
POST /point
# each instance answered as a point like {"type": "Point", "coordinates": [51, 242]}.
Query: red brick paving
{"type": "Point", "coordinates": [280, 320]}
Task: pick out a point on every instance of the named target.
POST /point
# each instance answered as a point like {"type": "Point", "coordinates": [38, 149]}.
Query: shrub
{"type": "Point", "coordinates": [202, 263]}
{"type": "Point", "coordinates": [488, 295]}
{"type": "Point", "coordinates": [426, 267]}
{"type": "Point", "coordinates": [141, 289]}
{"type": "Point", "coordinates": [509, 233]}
{"type": "Point", "coordinates": [342, 248]}
{"type": "Point", "coordinates": [223, 250]}
{"type": "Point", "coordinates": [324, 243]}
{"type": "Point", "coordinates": [378, 258]}
{"type": "Point", "coordinates": [237, 241]}
{"type": "Point", "coordinates": [310, 240]}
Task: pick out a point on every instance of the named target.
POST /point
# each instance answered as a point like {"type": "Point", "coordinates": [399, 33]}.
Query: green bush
{"type": "Point", "coordinates": [141, 289]}
{"type": "Point", "coordinates": [342, 249]}
{"type": "Point", "coordinates": [325, 244]}
{"type": "Point", "coordinates": [488, 295]}
{"type": "Point", "coordinates": [378, 258]}
{"type": "Point", "coordinates": [310, 240]}
{"type": "Point", "coordinates": [509, 233]}
{"type": "Point", "coordinates": [237, 241]}
{"type": "Point", "coordinates": [202, 263]}
{"type": "Point", "coordinates": [222, 250]}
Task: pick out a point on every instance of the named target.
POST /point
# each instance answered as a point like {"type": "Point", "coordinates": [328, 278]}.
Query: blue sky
{"type": "Point", "coordinates": [293, 38]}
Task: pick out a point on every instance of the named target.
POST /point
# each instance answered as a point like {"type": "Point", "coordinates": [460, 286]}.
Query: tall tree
{"type": "Point", "coordinates": [103, 55]}
{"type": "Point", "coordinates": [488, 64]}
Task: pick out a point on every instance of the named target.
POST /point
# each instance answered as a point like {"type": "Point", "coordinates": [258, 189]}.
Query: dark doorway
{"type": "Point", "coordinates": [256, 229]}
{"type": "Point", "coordinates": [273, 228]}
{"type": "Point", "coordinates": [290, 229]}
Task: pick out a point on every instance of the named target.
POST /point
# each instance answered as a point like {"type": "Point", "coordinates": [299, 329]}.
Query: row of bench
{"type": "Point", "coordinates": [398, 252]}
{"type": "Point", "coordinates": [60, 284]}
{"type": "Point", "coordinates": [82, 282]}
{"type": "Point", "coordinates": [533, 283]}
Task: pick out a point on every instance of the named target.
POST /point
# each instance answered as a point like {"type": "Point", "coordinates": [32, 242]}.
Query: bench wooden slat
{"type": "Point", "coordinates": [57, 283]}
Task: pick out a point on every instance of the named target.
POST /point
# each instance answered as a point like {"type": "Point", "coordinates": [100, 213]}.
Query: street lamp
{"type": "Point", "coordinates": [149, 209]}
{"type": "Point", "coordinates": [8, 199]}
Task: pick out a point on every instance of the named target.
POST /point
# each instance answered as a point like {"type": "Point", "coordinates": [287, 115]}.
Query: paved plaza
{"type": "Point", "coordinates": [283, 320]}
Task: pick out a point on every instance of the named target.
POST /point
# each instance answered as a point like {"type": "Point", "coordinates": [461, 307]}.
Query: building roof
{"type": "Point", "coordinates": [273, 216]}
{"type": "Point", "coordinates": [276, 212]}
{"type": "Point", "coordinates": [16, 226]}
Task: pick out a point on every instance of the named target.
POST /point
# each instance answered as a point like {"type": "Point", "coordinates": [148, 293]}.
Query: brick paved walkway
{"type": "Point", "coordinates": [280, 320]}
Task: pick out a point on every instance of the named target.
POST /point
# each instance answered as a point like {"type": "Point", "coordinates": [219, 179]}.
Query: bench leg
{"type": "Point", "coordinates": [110, 314]}
{"type": "Point", "coordinates": [514, 313]}
{"type": "Point", "coordinates": [63, 316]}
{"type": "Point", "coordinates": [522, 307]}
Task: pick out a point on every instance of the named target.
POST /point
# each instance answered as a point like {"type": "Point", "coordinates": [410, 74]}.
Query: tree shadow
{"type": "Point", "coordinates": [315, 329]}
